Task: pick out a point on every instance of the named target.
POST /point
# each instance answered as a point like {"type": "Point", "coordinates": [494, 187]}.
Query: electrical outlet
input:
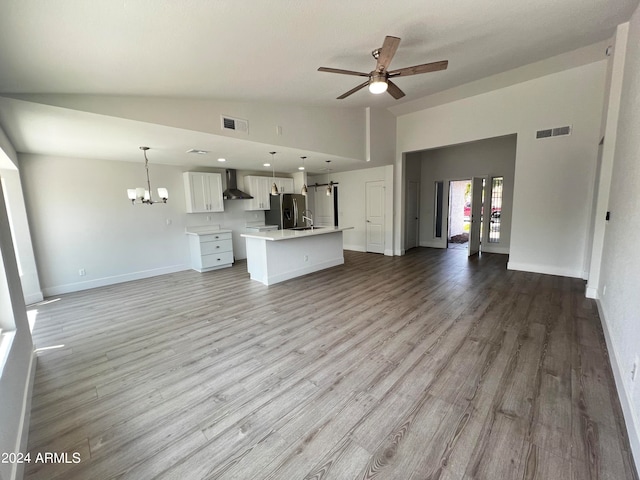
{"type": "Point", "coordinates": [306, 258]}
{"type": "Point", "coordinates": [604, 290]}
{"type": "Point", "coordinates": [208, 218]}
{"type": "Point", "coordinates": [634, 369]}
{"type": "Point", "coordinates": [168, 221]}
{"type": "Point", "coordinates": [82, 272]}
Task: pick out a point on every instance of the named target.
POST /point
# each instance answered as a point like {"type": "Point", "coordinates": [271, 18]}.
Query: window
{"type": "Point", "coordinates": [496, 209]}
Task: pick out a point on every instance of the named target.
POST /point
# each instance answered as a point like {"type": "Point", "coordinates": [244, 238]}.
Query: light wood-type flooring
{"type": "Point", "coordinates": [426, 366]}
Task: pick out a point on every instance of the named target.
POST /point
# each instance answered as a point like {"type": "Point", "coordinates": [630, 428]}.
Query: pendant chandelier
{"type": "Point", "coordinates": [274, 187]}
{"type": "Point", "coordinates": [303, 190]}
{"type": "Point", "coordinates": [142, 195]}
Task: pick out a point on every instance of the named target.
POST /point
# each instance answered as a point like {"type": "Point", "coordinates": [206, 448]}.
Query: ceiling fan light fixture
{"type": "Point", "coordinates": [378, 79]}
{"type": "Point", "coordinates": [378, 84]}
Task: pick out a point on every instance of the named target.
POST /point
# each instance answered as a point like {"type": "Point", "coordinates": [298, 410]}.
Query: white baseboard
{"type": "Point", "coordinates": [17, 472]}
{"type": "Point", "coordinates": [33, 298]}
{"type": "Point", "coordinates": [592, 292]}
{"type": "Point", "coordinates": [495, 249]}
{"type": "Point", "coordinates": [630, 420]}
{"type": "Point", "coordinates": [546, 269]}
{"type": "Point", "coordinates": [388, 252]}
{"type": "Point", "coordinates": [359, 248]}
{"type": "Point", "coordinates": [432, 244]}
{"type": "Point", "coordinates": [104, 281]}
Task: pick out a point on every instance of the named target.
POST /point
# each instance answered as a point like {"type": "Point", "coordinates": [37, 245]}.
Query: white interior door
{"type": "Point", "coordinates": [476, 213]}
{"type": "Point", "coordinates": [413, 216]}
{"type": "Point", "coordinates": [374, 201]}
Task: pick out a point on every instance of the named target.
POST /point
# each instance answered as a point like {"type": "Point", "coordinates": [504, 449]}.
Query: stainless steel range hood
{"type": "Point", "coordinates": [232, 192]}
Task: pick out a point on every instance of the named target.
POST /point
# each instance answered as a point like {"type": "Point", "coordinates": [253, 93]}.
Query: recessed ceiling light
{"type": "Point", "coordinates": [197, 152]}
{"type": "Point", "coordinates": [266, 164]}
{"type": "Point", "coordinates": [300, 168]}
{"type": "Point", "coordinates": [222, 159]}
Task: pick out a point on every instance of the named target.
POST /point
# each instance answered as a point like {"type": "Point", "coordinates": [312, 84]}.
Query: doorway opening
{"type": "Point", "coordinates": [459, 214]}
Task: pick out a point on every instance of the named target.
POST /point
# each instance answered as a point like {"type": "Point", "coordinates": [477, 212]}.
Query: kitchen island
{"type": "Point", "coordinates": [280, 255]}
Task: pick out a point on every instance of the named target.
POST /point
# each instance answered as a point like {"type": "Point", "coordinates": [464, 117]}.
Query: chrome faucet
{"type": "Point", "coordinates": [309, 218]}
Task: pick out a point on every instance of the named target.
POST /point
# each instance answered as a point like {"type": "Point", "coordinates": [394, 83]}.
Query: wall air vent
{"type": "Point", "coordinates": [554, 132]}
{"type": "Point", "coordinates": [543, 133]}
{"type": "Point", "coordinates": [562, 131]}
{"type": "Point", "coordinates": [236, 124]}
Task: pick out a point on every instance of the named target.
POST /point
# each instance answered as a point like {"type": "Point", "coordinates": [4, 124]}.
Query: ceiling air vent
{"type": "Point", "coordinates": [236, 124]}
{"type": "Point", "coordinates": [554, 132]}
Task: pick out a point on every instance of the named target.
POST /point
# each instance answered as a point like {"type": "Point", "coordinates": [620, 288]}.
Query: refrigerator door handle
{"type": "Point", "coordinates": [295, 212]}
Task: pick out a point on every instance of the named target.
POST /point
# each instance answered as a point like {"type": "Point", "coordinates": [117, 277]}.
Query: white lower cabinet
{"type": "Point", "coordinates": [211, 251]}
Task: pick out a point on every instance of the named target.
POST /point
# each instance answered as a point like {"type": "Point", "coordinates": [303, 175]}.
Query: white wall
{"type": "Point", "coordinates": [553, 177]}
{"type": "Point", "coordinates": [16, 375]}
{"type": "Point", "coordinates": [620, 266]}
{"type": "Point", "coordinates": [351, 204]}
{"type": "Point", "coordinates": [80, 218]}
{"type": "Point", "coordinates": [22, 236]}
{"type": "Point", "coordinates": [491, 157]}
{"type": "Point", "coordinates": [611, 112]}
{"type": "Point", "coordinates": [335, 130]}
{"type": "Point", "coordinates": [380, 136]}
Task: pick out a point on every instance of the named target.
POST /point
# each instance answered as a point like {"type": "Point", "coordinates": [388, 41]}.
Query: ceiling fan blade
{"type": "Point", "coordinates": [394, 90]}
{"type": "Point", "coordinates": [387, 51]}
{"type": "Point", "coordinates": [416, 69]}
{"type": "Point", "coordinates": [344, 72]}
{"type": "Point", "coordinates": [353, 90]}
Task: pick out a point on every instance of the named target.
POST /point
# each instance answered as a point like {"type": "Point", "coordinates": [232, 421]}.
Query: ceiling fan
{"type": "Point", "coordinates": [379, 79]}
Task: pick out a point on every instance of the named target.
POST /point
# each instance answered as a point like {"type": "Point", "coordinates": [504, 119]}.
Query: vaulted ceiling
{"type": "Point", "coordinates": [268, 51]}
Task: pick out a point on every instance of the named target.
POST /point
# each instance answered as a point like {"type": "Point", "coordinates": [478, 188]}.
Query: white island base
{"type": "Point", "coordinates": [274, 257]}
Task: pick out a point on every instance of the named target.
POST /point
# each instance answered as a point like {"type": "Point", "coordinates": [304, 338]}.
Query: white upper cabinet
{"type": "Point", "coordinates": [203, 192]}
{"type": "Point", "coordinates": [260, 189]}
{"type": "Point", "coordinates": [285, 185]}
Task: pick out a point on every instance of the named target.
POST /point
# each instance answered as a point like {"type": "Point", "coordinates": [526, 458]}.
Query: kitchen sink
{"type": "Point", "coordinates": [306, 228]}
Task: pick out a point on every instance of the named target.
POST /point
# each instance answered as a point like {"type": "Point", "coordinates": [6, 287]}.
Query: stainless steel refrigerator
{"type": "Point", "coordinates": [286, 210]}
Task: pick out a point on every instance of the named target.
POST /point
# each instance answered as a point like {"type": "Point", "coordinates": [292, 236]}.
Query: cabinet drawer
{"type": "Point", "coordinates": [213, 260]}
{"type": "Point", "coordinates": [214, 237]}
{"type": "Point", "coordinates": [207, 248]}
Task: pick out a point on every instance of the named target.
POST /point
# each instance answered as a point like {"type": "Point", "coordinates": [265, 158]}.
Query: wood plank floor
{"type": "Point", "coordinates": [426, 366]}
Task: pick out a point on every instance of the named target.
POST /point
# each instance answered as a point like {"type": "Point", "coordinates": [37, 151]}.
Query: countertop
{"type": "Point", "coordinates": [261, 227]}
{"type": "Point", "coordinates": [289, 234]}
{"type": "Point", "coordinates": [206, 231]}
